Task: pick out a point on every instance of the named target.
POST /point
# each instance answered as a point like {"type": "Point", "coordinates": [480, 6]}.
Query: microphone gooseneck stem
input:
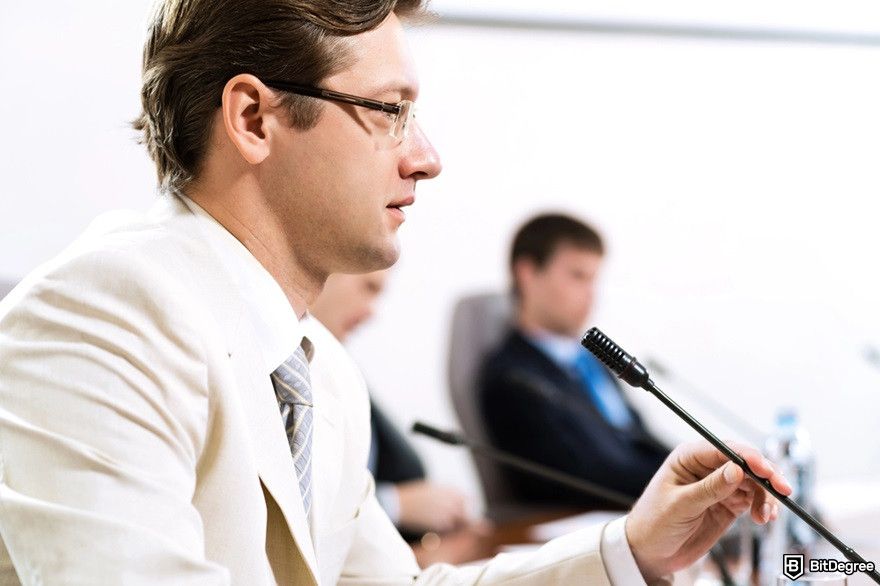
{"type": "Point", "coordinates": [792, 505]}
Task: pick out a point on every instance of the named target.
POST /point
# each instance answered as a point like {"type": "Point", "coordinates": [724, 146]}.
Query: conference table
{"type": "Point", "coordinates": [858, 527]}
{"type": "Point", "coordinates": [486, 539]}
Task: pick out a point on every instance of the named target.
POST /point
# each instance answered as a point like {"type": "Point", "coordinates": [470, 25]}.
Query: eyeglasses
{"type": "Point", "coordinates": [401, 114]}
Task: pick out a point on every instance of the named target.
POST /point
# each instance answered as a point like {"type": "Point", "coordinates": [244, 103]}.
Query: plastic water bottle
{"type": "Point", "coordinates": [790, 450]}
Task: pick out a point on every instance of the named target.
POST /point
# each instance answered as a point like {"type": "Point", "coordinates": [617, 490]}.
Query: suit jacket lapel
{"type": "Point", "coordinates": [564, 384]}
{"type": "Point", "coordinates": [257, 396]}
{"type": "Point", "coordinates": [569, 389]}
{"type": "Point", "coordinates": [272, 450]}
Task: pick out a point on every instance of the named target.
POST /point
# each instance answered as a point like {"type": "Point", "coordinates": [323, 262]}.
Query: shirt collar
{"type": "Point", "coordinates": [563, 350]}
{"type": "Point", "coordinates": [277, 328]}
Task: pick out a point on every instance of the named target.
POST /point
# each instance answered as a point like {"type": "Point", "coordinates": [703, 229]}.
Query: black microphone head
{"type": "Point", "coordinates": [622, 364]}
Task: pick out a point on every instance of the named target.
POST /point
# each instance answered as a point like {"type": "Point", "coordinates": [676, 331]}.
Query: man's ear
{"type": "Point", "coordinates": [524, 270]}
{"type": "Point", "coordinates": [247, 116]}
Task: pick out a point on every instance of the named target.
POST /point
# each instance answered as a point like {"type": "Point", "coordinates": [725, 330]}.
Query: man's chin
{"type": "Point", "coordinates": [391, 254]}
{"type": "Point", "coordinates": [376, 258]}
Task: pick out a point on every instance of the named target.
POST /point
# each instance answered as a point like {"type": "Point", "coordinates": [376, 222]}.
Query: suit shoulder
{"type": "Point", "coordinates": [126, 264]}
{"type": "Point", "coordinates": [513, 353]}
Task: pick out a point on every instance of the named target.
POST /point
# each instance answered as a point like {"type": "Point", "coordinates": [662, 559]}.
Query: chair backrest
{"type": "Point", "coordinates": [5, 287]}
{"type": "Point", "coordinates": [478, 324]}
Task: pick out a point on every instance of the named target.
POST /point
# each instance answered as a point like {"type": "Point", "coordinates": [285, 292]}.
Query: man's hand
{"type": "Point", "coordinates": [691, 502]}
{"type": "Point", "coordinates": [425, 506]}
{"type": "Point", "coordinates": [461, 546]}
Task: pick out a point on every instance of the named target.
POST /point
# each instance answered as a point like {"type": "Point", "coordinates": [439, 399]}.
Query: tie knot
{"type": "Point", "coordinates": [292, 381]}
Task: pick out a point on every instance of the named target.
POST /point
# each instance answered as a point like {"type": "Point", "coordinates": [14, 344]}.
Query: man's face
{"type": "Point", "coordinates": [338, 188]}
{"type": "Point", "coordinates": [347, 301]}
{"type": "Point", "coordinates": [560, 294]}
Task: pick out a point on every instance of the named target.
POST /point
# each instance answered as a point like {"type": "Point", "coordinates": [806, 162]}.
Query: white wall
{"type": "Point", "coordinates": [735, 182]}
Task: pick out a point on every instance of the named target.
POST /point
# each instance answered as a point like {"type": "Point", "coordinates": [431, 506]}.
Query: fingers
{"type": "Point", "coordinates": [764, 507]}
{"type": "Point", "coordinates": [716, 480]}
{"type": "Point", "coordinates": [460, 515]}
{"type": "Point", "coordinates": [481, 527]}
{"type": "Point", "coordinates": [763, 468]}
{"type": "Point", "coordinates": [752, 496]}
{"type": "Point", "coordinates": [424, 505]}
{"type": "Point", "coordinates": [455, 505]}
{"type": "Point", "coordinates": [700, 458]}
{"type": "Point", "coordinates": [764, 512]}
{"type": "Point", "coordinates": [716, 487]}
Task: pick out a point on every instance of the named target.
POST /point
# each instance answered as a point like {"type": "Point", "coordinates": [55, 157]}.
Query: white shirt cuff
{"type": "Point", "coordinates": [386, 494]}
{"type": "Point", "coordinates": [620, 565]}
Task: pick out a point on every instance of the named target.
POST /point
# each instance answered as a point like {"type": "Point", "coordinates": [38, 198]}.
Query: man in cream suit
{"type": "Point", "coordinates": [168, 412]}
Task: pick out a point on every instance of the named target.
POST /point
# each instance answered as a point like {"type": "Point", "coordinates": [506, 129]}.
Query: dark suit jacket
{"type": "Point", "coordinates": [396, 460]}
{"type": "Point", "coordinates": [536, 410]}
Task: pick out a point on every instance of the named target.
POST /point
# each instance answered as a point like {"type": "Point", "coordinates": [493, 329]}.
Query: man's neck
{"type": "Point", "coordinates": [300, 284]}
{"type": "Point", "coordinates": [530, 326]}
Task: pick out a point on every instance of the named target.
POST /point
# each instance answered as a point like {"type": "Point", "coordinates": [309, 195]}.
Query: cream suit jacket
{"type": "Point", "coordinates": [141, 442]}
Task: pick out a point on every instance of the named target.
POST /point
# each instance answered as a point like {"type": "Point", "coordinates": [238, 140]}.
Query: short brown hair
{"type": "Point", "coordinates": [539, 238]}
{"type": "Point", "coordinates": [194, 47]}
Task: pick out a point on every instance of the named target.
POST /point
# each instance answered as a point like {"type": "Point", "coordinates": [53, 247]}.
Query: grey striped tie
{"type": "Point", "coordinates": [293, 387]}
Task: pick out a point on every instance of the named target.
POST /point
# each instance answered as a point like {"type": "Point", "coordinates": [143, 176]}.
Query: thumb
{"type": "Point", "coordinates": [716, 487]}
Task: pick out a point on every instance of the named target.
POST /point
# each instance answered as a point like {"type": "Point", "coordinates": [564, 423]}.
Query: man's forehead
{"type": "Point", "coordinates": [572, 252]}
{"type": "Point", "coordinates": [381, 63]}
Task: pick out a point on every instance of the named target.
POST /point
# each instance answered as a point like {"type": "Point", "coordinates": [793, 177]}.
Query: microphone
{"type": "Point", "coordinates": [733, 420]}
{"type": "Point", "coordinates": [628, 369]}
{"type": "Point", "coordinates": [547, 473]}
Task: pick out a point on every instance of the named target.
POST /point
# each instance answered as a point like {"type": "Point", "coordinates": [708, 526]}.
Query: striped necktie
{"type": "Point", "coordinates": [293, 388]}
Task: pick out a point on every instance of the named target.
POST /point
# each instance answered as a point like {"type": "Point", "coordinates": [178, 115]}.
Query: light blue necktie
{"type": "Point", "coordinates": [602, 391]}
{"type": "Point", "coordinates": [293, 388]}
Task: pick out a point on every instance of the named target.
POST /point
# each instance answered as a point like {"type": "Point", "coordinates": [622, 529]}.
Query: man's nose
{"type": "Point", "coordinates": [421, 160]}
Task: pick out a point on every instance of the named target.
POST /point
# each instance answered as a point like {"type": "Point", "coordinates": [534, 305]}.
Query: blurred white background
{"type": "Point", "coordinates": [729, 157]}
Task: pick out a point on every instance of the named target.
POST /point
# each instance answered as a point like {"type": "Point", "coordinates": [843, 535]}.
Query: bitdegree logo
{"type": "Point", "coordinates": [836, 566]}
{"type": "Point", "coordinates": [793, 565]}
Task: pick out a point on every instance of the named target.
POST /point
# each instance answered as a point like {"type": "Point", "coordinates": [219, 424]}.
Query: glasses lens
{"type": "Point", "coordinates": [400, 129]}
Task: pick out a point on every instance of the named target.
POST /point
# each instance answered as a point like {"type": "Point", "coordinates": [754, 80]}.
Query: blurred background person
{"type": "Point", "coordinates": [415, 504]}
{"type": "Point", "coordinates": [542, 395]}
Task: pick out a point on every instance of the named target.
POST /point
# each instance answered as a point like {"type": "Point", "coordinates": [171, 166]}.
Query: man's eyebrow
{"type": "Point", "coordinates": [405, 89]}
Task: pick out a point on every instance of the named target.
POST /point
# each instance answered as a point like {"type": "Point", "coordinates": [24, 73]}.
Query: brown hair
{"type": "Point", "coordinates": [194, 47]}
{"type": "Point", "coordinates": [541, 236]}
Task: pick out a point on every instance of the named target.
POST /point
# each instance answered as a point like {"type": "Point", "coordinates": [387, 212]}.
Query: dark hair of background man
{"type": "Point", "coordinates": [542, 236]}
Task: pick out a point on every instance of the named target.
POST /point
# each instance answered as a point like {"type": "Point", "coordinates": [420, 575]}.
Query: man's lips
{"type": "Point", "coordinates": [402, 203]}
{"type": "Point", "coordinates": [396, 207]}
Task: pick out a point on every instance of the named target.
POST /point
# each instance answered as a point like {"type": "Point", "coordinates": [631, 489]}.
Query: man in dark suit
{"type": "Point", "coordinates": [544, 397]}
